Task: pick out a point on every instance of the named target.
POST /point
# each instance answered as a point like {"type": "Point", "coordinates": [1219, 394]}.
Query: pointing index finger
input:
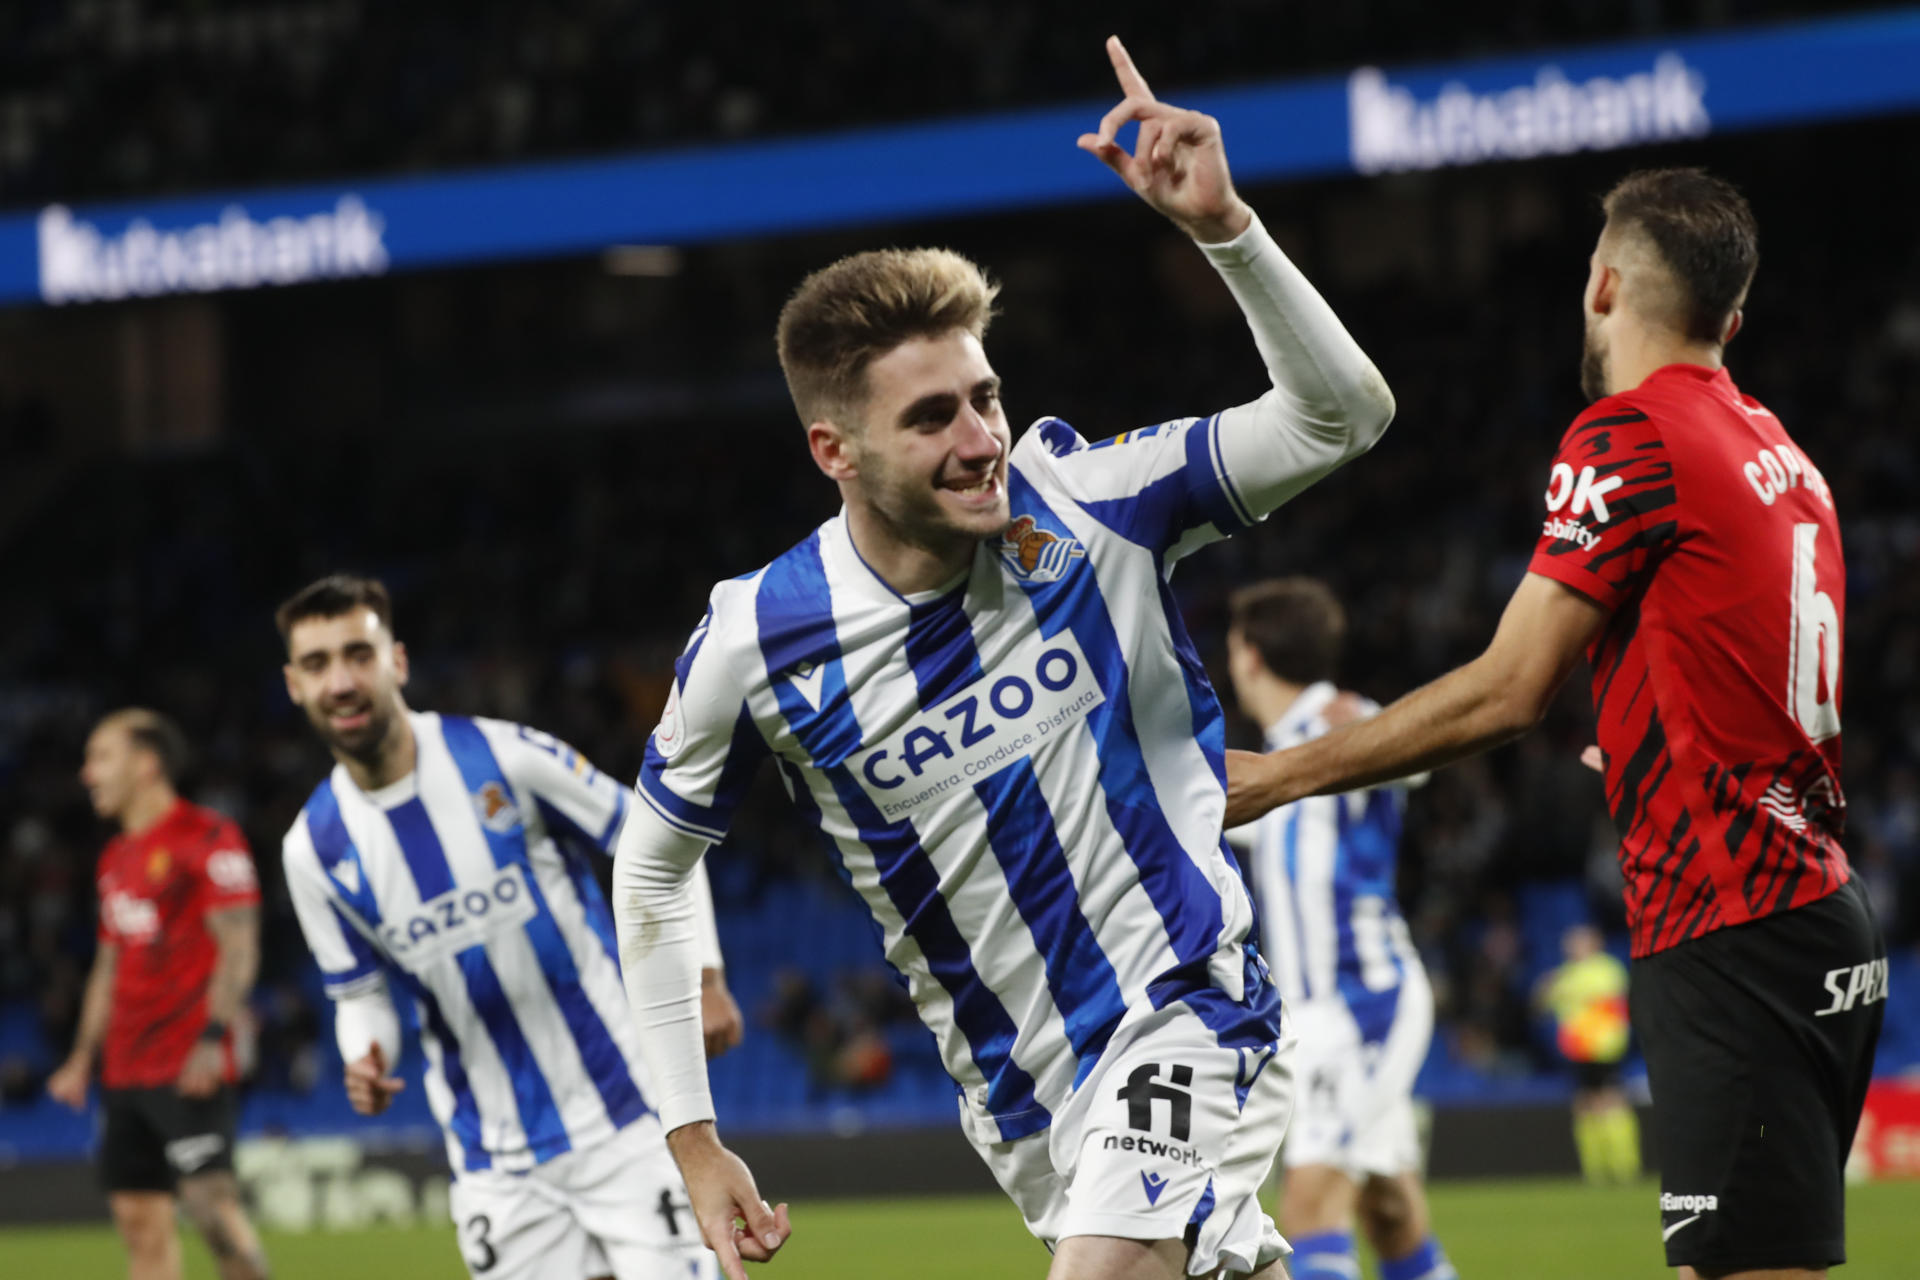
{"type": "Point", "coordinates": [1132, 83]}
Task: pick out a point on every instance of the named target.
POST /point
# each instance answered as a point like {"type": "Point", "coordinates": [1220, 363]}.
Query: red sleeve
{"type": "Point", "coordinates": [1611, 514]}
{"type": "Point", "coordinates": [225, 867]}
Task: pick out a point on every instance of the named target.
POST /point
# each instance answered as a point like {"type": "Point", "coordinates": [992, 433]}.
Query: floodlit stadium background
{"type": "Point", "coordinates": [480, 299]}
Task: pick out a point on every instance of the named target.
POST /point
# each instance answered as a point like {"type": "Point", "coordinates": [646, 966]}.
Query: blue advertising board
{"type": "Point", "coordinates": [1366, 121]}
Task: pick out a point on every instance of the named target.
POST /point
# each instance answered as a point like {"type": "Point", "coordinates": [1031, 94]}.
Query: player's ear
{"type": "Point", "coordinates": [832, 448]}
{"type": "Point", "coordinates": [1733, 326]}
{"type": "Point", "coordinates": [1603, 291]}
{"type": "Point", "coordinates": [400, 666]}
{"type": "Point", "coordinates": [293, 690]}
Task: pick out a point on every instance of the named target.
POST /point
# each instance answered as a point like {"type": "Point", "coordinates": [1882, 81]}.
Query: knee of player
{"type": "Point", "coordinates": [146, 1229]}
{"type": "Point", "coordinates": [1391, 1209]}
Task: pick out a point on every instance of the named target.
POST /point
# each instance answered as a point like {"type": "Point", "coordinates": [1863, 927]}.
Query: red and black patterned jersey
{"type": "Point", "coordinates": [156, 889]}
{"type": "Point", "coordinates": [1685, 509]}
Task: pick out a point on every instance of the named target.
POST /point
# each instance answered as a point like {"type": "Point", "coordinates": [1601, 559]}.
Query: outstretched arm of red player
{"type": "Point", "coordinates": [1498, 696]}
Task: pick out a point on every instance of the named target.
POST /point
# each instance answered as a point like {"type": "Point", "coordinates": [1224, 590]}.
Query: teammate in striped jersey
{"type": "Point", "coordinates": [1322, 871]}
{"type": "Point", "coordinates": [453, 858]}
{"type": "Point", "coordinates": [975, 684]}
{"type": "Point", "coordinates": [1692, 550]}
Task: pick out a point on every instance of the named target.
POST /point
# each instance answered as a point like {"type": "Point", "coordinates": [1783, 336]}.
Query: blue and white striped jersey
{"type": "Point", "coordinates": [1023, 775]}
{"type": "Point", "coordinates": [470, 884]}
{"type": "Point", "coordinates": [1323, 875]}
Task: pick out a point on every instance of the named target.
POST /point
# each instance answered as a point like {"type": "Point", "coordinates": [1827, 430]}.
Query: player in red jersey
{"type": "Point", "coordinates": [1691, 550]}
{"type": "Point", "coordinates": [178, 949]}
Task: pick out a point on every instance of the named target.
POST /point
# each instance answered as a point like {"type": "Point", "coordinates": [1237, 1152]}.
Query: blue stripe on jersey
{"type": "Point", "coordinates": [1191, 495]}
{"type": "Point", "coordinates": [334, 847]}
{"type": "Point", "coordinates": [612, 830]}
{"type": "Point", "coordinates": [331, 842]}
{"type": "Point", "coordinates": [599, 1051]}
{"type": "Point", "coordinates": [427, 860]}
{"type": "Point", "coordinates": [1185, 898]}
{"type": "Point", "coordinates": [1209, 722]}
{"type": "Point", "coordinates": [1243, 516]}
{"type": "Point", "coordinates": [573, 844]}
{"type": "Point", "coordinates": [1021, 833]}
{"type": "Point", "coordinates": [1251, 1022]}
{"type": "Point", "coordinates": [794, 609]}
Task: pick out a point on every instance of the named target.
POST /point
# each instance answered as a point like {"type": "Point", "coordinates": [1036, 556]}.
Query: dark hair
{"type": "Point", "coordinates": [1701, 226]}
{"type": "Point", "coordinates": [1296, 624]}
{"type": "Point", "coordinates": [151, 731]}
{"type": "Point", "coordinates": [331, 596]}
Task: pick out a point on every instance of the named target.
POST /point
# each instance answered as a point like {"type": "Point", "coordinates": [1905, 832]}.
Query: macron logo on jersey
{"type": "Point", "coordinates": [459, 918]}
{"type": "Point", "coordinates": [1040, 689]}
{"type": "Point", "coordinates": [806, 678]}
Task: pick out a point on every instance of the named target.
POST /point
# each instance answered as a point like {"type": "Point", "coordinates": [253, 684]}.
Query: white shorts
{"type": "Point", "coordinates": [615, 1208]}
{"type": "Point", "coordinates": [1355, 1108]}
{"type": "Point", "coordinates": [1169, 1137]}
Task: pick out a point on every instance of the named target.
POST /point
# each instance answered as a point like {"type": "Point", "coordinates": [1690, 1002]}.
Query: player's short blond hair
{"type": "Point", "coordinates": [845, 316]}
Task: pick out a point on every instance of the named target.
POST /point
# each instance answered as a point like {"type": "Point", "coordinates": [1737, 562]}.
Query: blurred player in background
{"type": "Point", "coordinates": [978, 688]}
{"type": "Point", "coordinates": [1322, 871]}
{"type": "Point", "coordinates": [179, 947]}
{"type": "Point", "coordinates": [1692, 551]}
{"type": "Point", "coordinates": [455, 857]}
{"type": "Point", "coordinates": [1587, 996]}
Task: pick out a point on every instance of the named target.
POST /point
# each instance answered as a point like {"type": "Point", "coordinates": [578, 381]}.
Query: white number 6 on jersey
{"type": "Point", "coordinates": [1813, 645]}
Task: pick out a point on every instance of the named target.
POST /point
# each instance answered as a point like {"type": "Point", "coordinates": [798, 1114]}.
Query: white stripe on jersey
{"type": "Point", "coordinates": [1323, 871]}
{"type": "Point", "coordinates": [468, 883]}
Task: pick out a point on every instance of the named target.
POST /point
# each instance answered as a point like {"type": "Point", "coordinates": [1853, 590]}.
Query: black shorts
{"type": "Point", "coordinates": [1590, 1077]}
{"type": "Point", "coordinates": [1759, 1041]}
{"type": "Point", "coordinates": [151, 1138]}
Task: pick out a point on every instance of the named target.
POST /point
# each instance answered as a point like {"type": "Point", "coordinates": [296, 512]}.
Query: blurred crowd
{"type": "Point", "coordinates": [550, 466]}
{"type": "Point", "coordinates": [103, 98]}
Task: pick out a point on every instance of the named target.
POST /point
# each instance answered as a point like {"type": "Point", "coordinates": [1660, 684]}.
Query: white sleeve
{"type": "Point", "coordinates": [658, 919]}
{"type": "Point", "coordinates": [1328, 403]}
{"type": "Point", "coordinates": [571, 793]}
{"type": "Point", "coordinates": [698, 763]}
{"type": "Point", "coordinates": [365, 1019]}
{"type": "Point", "coordinates": [704, 923]}
{"type": "Point", "coordinates": [1179, 485]}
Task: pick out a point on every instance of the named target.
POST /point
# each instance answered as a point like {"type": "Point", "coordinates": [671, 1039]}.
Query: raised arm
{"type": "Point", "coordinates": [1328, 402]}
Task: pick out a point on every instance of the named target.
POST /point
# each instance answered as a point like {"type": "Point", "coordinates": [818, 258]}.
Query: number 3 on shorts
{"type": "Point", "coordinates": [474, 1244]}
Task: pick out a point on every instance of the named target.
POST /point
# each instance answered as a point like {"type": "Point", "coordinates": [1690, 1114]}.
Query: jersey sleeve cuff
{"type": "Point", "coordinates": [358, 981]}
{"type": "Point", "coordinates": [1591, 585]}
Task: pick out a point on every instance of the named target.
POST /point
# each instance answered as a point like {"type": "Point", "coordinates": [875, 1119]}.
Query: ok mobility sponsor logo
{"type": "Point", "coordinates": [80, 263]}
{"type": "Point", "coordinates": [1390, 129]}
{"type": "Point", "coordinates": [1040, 690]}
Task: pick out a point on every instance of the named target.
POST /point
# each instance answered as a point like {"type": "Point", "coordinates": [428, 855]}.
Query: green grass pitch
{"type": "Point", "coordinates": [1557, 1230]}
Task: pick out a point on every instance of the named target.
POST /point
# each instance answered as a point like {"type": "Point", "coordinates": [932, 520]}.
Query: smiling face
{"type": "Point", "coordinates": [928, 456]}
{"type": "Point", "coordinates": [346, 673]}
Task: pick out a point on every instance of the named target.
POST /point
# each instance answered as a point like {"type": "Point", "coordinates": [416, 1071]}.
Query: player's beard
{"type": "Point", "coordinates": [1593, 366]}
{"type": "Point", "coordinates": [909, 508]}
{"type": "Point", "coordinates": [367, 743]}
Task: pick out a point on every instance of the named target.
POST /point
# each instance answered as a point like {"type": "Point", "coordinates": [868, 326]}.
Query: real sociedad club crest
{"type": "Point", "coordinates": [496, 808]}
{"type": "Point", "coordinates": [1036, 555]}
